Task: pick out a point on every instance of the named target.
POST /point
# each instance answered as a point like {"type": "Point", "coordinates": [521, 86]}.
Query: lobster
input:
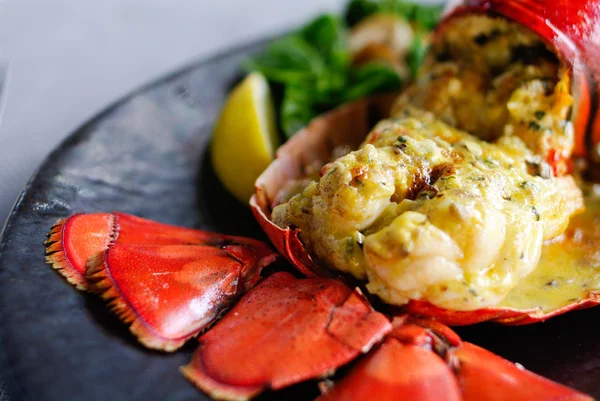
{"type": "Point", "coordinates": [169, 284]}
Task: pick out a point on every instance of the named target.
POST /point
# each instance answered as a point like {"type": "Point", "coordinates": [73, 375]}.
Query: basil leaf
{"type": "Point", "coordinates": [358, 10]}
{"type": "Point", "coordinates": [288, 60]}
{"type": "Point", "coordinates": [372, 78]}
{"type": "Point", "coordinates": [313, 65]}
{"type": "Point", "coordinates": [417, 54]}
{"type": "Point", "coordinates": [327, 36]}
{"type": "Point", "coordinates": [297, 109]}
{"type": "Point", "coordinates": [426, 16]}
{"type": "Point", "coordinates": [402, 8]}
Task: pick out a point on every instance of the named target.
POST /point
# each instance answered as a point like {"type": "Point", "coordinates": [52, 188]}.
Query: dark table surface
{"type": "Point", "coordinates": [88, 62]}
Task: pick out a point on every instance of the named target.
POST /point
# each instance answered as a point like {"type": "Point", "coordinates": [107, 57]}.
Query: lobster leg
{"type": "Point", "coordinates": [422, 359]}
{"type": "Point", "coordinates": [74, 240]}
{"type": "Point", "coordinates": [282, 332]}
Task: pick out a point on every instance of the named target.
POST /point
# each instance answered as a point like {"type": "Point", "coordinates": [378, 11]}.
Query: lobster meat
{"type": "Point", "coordinates": [572, 28]}
{"type": "Point", "coordinates": [315, 143]}
{"type": "Point", "coordinates": [349, 125]}
{"type": "Point", "coordinates": [169, 284]}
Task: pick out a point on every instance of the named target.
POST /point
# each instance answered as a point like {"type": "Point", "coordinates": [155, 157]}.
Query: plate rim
{"type": "Point", "coordinates": [73, 136]}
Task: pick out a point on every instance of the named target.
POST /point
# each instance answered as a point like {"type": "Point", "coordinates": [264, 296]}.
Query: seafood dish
{"type": "Point", "coordinates": [466, 196]}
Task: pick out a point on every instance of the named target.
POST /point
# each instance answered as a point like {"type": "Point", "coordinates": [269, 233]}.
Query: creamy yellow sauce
{"type": "Point", "coordinates": [425, 211]}
{"type": "Point", "coordinates": [451, 200]}
{"type": "Point", "coordinates": [569, 267]}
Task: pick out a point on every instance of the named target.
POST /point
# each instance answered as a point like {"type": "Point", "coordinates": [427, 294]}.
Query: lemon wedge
{"type": "Point", "coordinates": [245, 137]}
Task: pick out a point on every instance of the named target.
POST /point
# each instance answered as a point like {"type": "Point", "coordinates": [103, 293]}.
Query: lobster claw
{"type": "Point", "coordinates": [167, 283]}
{"type": "Point", "coordinates": [423, 360]}
{"type": "Point", "coordinates": [282, 332]}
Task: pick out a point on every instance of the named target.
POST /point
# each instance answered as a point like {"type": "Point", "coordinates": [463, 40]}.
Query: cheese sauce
{"type": "Point", "coordinates": [426, 211]}
{"type": "Point", "coordinates": [492, 77]}
{"type": "Point", "coordinates": [453, 200]}
{"type": "Point", "coordinates": [569, 266]}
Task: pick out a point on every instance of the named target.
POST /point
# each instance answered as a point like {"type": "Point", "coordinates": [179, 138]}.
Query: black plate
{"type": "Point", "coordinates": [147, 155]}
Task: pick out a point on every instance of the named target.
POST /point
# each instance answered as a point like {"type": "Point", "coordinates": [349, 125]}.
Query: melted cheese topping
{"type": "Point", "coordinates": [452, 200]}
{"type": "Point", "coordinates": [492, 77]}
{"type": "Point", "coordinates": [426, 211]}
{"type": "Point", "coordinates": [569, 267]}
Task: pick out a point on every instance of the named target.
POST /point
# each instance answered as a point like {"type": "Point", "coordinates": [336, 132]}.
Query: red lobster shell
{"type": "Point", "coordinates": [169, 283]}
{"type": "Point", "coordinates": [571, 27]}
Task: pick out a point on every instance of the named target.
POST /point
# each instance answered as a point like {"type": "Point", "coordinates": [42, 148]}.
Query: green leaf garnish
{"type": "Point", "coordinates": [313, 65]}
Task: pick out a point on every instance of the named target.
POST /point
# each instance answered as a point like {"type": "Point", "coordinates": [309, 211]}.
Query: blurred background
{"type": "Point", "coordinates": [70, 58]}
